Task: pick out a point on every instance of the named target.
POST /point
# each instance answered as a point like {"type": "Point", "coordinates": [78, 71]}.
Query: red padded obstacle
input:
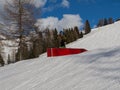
{"type": "Point", "coordinates": [63, 51]}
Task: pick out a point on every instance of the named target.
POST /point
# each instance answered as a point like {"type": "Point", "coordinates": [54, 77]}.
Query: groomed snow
{"type": "Point", "coordinates": [97, 69]}
{"type": "Point", "coordinates": [102, 37]}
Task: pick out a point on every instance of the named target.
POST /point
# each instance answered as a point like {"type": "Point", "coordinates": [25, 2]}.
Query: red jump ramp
{"type": "Point", "coordinates": [63, 51]}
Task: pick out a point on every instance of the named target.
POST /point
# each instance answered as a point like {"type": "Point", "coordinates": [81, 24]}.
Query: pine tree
{"type": "Point", "coordinates": [110, 21]}
{"type": "Point", "coordinates": [36, 48]}
{"type": "Point", "coordinates": [100, 23]}
{"type": "Point", "coordinates": [38, 45]}
{"type": "Point", "coordinates": [42, 44]}
{"type": "Point", "coordinates": [87, 27]}
{"type": "Point", "coordinates": [9, 61]}
{"type": "Point", "coordinates": [31, 53]}
{"type": "Point", "coordinates": [17, 56]}
{"type": "Point", "coordinates": [76, 30]}
{"type": "Point", "coordinates": [105, 22]}
{"type": "Point", "coordinates": [48, 38]}
{"type": "Point", "coordinates": [71, 35]}
{"type": "Point", "coordinates": [67, 35]}
{"type": "Point", "coordinates": [55, 38]}
{"type": "Point", "coordinates": [1, 61]}
{"type": "Point", "coordinates": [23, 52]}
{"type": "Point", "coordinates": [81, 35]}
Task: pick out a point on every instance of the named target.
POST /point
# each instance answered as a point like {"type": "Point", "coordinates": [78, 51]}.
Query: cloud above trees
{"type": "Point", "coordinates": [68, 21]}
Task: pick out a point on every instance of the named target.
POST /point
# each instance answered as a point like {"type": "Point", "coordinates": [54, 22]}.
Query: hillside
{"type": "Point", "coordinates": [97, 69]}
{"type": "Point", "coordinates": [102, 37]}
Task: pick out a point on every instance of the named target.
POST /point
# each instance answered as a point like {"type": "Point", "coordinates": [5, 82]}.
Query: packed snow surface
{"type": "Point", "coordinates": [102, 37]}
{"type": "Point", "coordinates": [96, 69]}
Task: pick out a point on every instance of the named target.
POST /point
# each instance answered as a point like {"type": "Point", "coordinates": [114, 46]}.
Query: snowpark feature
{"type": "Point", "coordinates": [96, 69]}
{"type": "Point", "coordinates": [51, 52]}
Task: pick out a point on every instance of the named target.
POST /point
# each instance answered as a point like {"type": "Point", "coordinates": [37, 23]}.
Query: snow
{"type": "Point", "coordinates": [102, 37]}
{"type": "Point", "coordinates": [8, 47]}
{"type": "Point", "coordinates": [2, 37]}
{"type": "Point", "coordinates": [96, 69]}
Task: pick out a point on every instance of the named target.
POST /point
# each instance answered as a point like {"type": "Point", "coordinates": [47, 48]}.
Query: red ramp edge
{"type": "Point", "coordinates": [63, 51]}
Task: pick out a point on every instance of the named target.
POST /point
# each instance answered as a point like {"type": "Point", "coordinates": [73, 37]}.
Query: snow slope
{"type": "Point", "coordinates": [102, 37]}
{"type": "Point", "coordinates": [97, 69]}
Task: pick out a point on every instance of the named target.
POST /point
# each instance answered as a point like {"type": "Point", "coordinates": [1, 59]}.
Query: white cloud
{"type": "Point", "coordinates": [40, 3]}
{"type": "Point", "coordinates": [65, 3]}
{"type": "Point", "coordinates": [68, 21]}
{"type": "Point", "coordinates": [50, 22]}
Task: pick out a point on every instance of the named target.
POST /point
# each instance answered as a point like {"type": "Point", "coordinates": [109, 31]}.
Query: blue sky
{"type": "Point", "coordinates": [69, 13]}
{"type": "Point", "coordinates": [93, 10]}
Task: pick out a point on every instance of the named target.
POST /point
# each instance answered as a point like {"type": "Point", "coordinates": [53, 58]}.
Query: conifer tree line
{"type": "Point", "coordinates": [103, 22]}
{"type": "Point", "coordinates": [39, 43]}
{"type": "Point", "coordinates": [118, 19]}
{"type": "Point", "coordinates": [41, 40]}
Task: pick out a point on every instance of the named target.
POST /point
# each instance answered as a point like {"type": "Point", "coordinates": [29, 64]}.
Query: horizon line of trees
{"type": "Point", "coordinates": [39, 43]}
{"type": "Point", "coordinates": [50, 39]}
{"type": "Point", "coordinates": [47, 39]}
{"type": "Point", "coordinates": [105, 21]}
